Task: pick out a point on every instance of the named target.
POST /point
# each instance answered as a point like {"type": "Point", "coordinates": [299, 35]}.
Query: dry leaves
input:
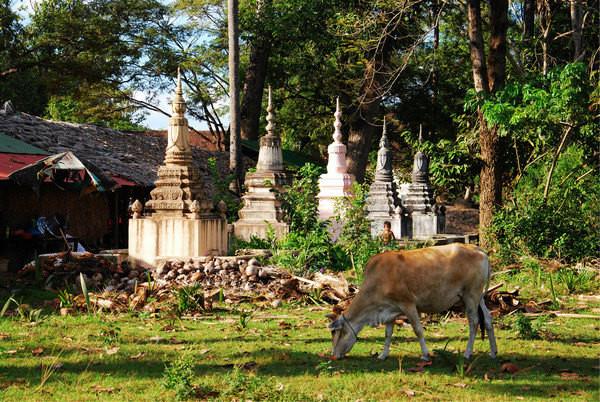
{"type": "Point", "coordinates": [137, 356]}
{"type": "Point", "coordinates": [100, 389]}
{"type": "Point", "coordinates": [37, 351]}
{"type": "Point", "coordinates": [112, 351]}
{"type": "Point", "coordinates": [409, 392]}
{"type": "Point", "coordinates": [509, 368]}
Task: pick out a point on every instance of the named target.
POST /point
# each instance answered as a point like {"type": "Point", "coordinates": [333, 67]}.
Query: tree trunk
{"type": "Point", "coordinates": [576, 27]}
{"type": "Point", "coordinates": [475, 32]}
{"type": "Point", "coordinates": [360, 138]}
{"type": "Point", "coordinates": [490, 188]}
{"type": "Point", "coordinates": [488, 78]}
{"type": "Point", "coordinates": [545, 10]}
{"type": "Point", "coordinates": [254, 82]}
{"type": "Point", "coordinates": [362, 125]}
{"type": "Point", "coordinates": [234, 101]}
{"type": "Point", "coordinates": [497, 58]}
{"type": "Point", "coordinates": [528, 19]}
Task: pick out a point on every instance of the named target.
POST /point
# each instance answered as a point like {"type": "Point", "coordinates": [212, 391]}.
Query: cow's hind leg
{"type": "Point", "coordinates": [389, 330]}
{"type": "Point", "coordinates": [487, 319]}
{"type": "Point", "coordinates": [413, 316]}
{"type": "Point", "coordinates": [471, 312]}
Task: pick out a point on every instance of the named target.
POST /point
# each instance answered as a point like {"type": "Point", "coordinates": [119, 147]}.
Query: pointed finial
{"type": "Point", "coordinates": [270, 116]}
{"type": "Point", "coordinates": [178, 104]}
{"type": "Point", "coordinates": [337, 134]}
{"type": "Point", "coordinates": [420, 134]}
{"type": "Point", "coordinates": [383, 143]}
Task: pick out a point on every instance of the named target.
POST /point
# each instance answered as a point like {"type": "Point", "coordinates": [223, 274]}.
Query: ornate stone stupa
{"type": "Point", "coordinates": [427, 219]}
{"type": "Point", "coordinates": [383, 203]}
{"type": "Point", "coordinates": [337, 182]}
{"type": "Point", "coordinates": [261, 208]}
{"type": "Point", "coordinates": [178, 220]}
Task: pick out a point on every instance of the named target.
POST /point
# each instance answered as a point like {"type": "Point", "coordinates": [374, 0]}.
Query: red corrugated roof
{"type": "Point", "coordinates": [121, 181]}
{"type": "Point", "coordinates": [11, 162]}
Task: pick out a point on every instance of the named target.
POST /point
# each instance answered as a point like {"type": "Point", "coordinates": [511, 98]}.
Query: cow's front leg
{"type": "Point", "coordinates": [413, 316]}
{"type": "Point", "coordinates": [389, 330]}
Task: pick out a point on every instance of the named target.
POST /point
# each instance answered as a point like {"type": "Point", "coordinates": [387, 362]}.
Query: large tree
{"type": "Point", "coordinates": [488, 77]}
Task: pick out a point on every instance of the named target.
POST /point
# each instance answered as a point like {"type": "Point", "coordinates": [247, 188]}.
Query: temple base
{"type": "Point", "coordinates": [425, 225]}
{"type": "Point", "coordinates": [163, 237]}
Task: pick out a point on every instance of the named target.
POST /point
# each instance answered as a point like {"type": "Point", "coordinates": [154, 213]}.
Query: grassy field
{"type": "Point", "coordinates": [279, 354]}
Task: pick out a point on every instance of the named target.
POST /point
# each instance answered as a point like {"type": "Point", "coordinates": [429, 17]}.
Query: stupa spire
{"type": "Point", "coordinates": [337, 124]}
{"type": "Point", "coordinates": [270, 116]}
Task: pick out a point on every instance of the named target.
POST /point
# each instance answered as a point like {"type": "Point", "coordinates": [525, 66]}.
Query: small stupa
{"type": "Point", "coordinates": [262, 211]}
{"type": "Point", "coordinates": [383, 203]}
{"type": "Point", "coordinates": [337, 182]}
{"type": "Point", "coordinates": [178, 221]}
{"type": "Point", "coordinates": [427, 219]}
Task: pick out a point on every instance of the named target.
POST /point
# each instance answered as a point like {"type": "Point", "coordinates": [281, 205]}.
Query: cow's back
{"type": "Point", "coordinates": [434, 278]}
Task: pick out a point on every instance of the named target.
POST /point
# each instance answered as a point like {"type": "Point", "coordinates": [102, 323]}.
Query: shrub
{"type": "Point", "coordinates": [188, 299]}
{"type": "Point", "coordinates": [221, 190]}
{"type": "Point", "coordinates": [565, 226]}
{"type": "Point", "coordinates": [355, 239]}
{"type": "Point", "coordinates": [178, 376]}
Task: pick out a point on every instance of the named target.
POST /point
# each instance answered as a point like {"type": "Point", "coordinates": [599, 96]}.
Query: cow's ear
{"type": "Point", "coordinates": [335, 325]}
{"type": "Point", "coordinates": [331, 316]}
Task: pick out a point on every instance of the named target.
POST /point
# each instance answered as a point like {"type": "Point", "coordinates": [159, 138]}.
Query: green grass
{"type": "Point", "coordinates": [278, 356]}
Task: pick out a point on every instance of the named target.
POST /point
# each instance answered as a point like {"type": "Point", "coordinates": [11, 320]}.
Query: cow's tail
{"type": "Point", "coordinates": [487, 267]}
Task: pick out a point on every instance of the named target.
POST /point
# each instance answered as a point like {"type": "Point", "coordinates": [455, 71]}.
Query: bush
{"type": "Point", "coordinates": [355, 239]}
{"type": "Point", "coordinates": [307, 247]}
{"type": "Point", "coordinates": [178, 376]}
{"type": "Point", "coordinates": [565, 226]}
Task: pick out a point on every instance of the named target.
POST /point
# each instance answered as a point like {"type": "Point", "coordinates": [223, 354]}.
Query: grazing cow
{"type": "Point", "coordinates": [429, 280]}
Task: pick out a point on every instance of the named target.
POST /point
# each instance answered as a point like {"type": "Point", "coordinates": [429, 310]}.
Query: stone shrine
{"type": "Point", "coordinates": [179, 220]}
{"type": "Point", "coordinates": [337, 182]}
{"type": "Point", "coordinates": [383, 202]}
{"type": "Point", "coordinates": [262, 209]}
{"type": "Point", "coordinates": [426, 218]}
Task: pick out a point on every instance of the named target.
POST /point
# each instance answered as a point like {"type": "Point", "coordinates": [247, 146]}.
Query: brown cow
{"type": "Point", "coordinates": [428, 280]}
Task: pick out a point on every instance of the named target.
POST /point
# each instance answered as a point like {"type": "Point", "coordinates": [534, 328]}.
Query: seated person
{"type": "Point", "coordinates": [387, 236]}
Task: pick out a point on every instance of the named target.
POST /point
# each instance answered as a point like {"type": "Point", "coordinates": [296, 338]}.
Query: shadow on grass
{"type": "Point", "coordinates": [539, 376]}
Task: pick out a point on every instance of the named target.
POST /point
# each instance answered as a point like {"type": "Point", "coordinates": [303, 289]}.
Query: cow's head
{"type": "Point", "coordinates": [344, 336]}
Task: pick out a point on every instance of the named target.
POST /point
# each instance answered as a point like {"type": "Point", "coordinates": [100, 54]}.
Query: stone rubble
{"type": "Point", "coordinates": [118, 287]}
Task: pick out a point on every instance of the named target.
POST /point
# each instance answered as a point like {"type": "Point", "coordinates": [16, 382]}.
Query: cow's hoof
{"type": "Point", "coordinates": [492, 355]}
{"type": "Point", "coordinates": [425, 358]}
{"type": "Point", "coordinates": [382, 356]}
{"type": "Point", "coordinates": [468, 356]}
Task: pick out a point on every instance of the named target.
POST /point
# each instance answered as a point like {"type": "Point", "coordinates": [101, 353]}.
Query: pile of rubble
{"type": "Point", "coordinates": [114, 286]}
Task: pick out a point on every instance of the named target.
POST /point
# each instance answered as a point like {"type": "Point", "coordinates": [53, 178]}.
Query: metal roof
{"type": "Point", "coordinates": [10, 145]}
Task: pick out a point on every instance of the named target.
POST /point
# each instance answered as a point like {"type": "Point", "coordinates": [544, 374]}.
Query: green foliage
{"type": "Point", "coordinates": [65, 298]}
{"type": "Point", "coordinates": [179, 376]}
{"type": "Point", "coordinates": [305, 252]}
{"type": "Point", "coordinates": [299, 201]}
{"type": "Point", "coordinates": [110, 334]}
{"type": "Point", "coordinates": [530, 329]}
{"type": "Point", "coordinates": [307, 247]}
{"type": "Point", "coordinates": [565, 226]}
{"type": "Point", "coordinates": [452, 163]}
{"type": "Point", "coordinates": [188, 299]}
{"type": "Point", "coordinates": [575, 280]}
{"type": "Point", "coordinates": [355, 238]}
{"type": "Point", "coordinates": [221, 190]}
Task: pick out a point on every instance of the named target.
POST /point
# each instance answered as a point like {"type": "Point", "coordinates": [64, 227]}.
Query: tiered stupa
{"type": "Point", "coordinates": [427, 219]}
{"type": "Point", "coordinates": [179, 221]}
{"type": "Point", "coordinates": [262, 209]}
{"type": "Point", "coordinates": [337, 182]}
{"type": "Point", "coordinates": [383, 203]}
